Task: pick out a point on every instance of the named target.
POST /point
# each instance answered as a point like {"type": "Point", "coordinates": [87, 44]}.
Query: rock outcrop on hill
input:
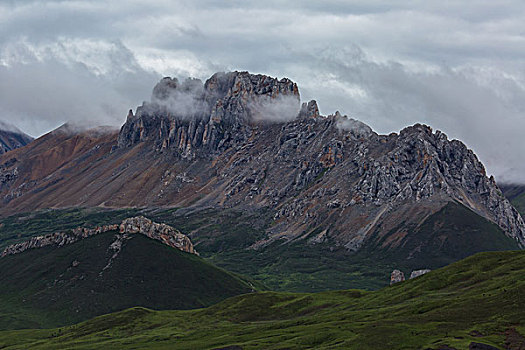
{"type": "Point", "coordinates": [137, 225]}
{"type": "Point", "coordinates": [396, 276]}
{"type": "Point", "coordinates": [243, 141]}
{"type": "Point", "coordinates": [417, 273]}
{"type": "Point", "coordinates": [160, 232]}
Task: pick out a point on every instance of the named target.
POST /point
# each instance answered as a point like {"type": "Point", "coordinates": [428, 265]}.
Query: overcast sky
{"type": "Point", "coordinates": [458, 66]}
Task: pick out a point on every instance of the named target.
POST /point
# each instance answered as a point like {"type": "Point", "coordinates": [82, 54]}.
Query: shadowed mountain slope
{"type": "Point", "coordinates": [516, 195]}
{"type": "Point", "coordinates": [53, 286]}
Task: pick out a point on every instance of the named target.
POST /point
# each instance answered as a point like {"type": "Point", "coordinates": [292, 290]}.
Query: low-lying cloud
{"type": "Point", "coordinates": [280, 109]}
{"type": "Point", "coordinates": [356, 127]}
{"type": "Point", "coordinates": [184, 100]}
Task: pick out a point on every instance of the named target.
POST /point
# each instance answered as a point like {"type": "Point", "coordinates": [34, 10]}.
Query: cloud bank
{"type": "Point", "coordinates": [44, 87]}
{"type": "Point", "coordinates": [456, 66]}
{"type": "Point", "coordinates": [282, 108]}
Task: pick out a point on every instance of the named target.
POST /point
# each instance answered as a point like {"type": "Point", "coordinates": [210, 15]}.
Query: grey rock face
{"type": "Point", "coordinates": [396, 276]}
{"type": "Point", "coordinates": [137, 225]}
{"type": "Point", "coordinates": [423, 164]}
{"type": "Point", "coordinates": [418, 273]}
{"type": "Point", "coordinates": [160, 232]}
{"type": "Point", "coordinates": [309, 110]}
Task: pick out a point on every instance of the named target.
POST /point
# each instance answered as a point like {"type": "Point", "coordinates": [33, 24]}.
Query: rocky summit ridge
{"type": "Point", "coordinates": [245, 142]}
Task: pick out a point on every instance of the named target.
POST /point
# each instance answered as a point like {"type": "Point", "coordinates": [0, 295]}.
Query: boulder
{"type": "Point", "coordinates": [396, 276]}
{"type": "Point", "coordinates": [417, 273]}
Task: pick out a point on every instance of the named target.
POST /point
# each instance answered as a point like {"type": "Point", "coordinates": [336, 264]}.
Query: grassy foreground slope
{"type": "Point", "coordinates": [54, 286]}
{"type": "Point", "coordinates": [479, 299]}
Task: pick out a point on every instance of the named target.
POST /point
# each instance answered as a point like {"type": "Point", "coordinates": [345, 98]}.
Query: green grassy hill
{"type": "Point", "coordinates": [53, 286]}
{"type": "Point", "coordinates": [479, 299]}
{"type": "Point", "coordinates": [453, 233]}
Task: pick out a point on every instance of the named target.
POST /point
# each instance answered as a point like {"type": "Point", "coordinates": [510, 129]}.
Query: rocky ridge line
{"type": "Point", "coordinates": [278, 165]}
{"type": "Point", "coordinates": [137, 225]}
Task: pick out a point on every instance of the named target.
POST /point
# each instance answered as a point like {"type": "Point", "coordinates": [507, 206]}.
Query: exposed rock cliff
{"type": "Point", "coordinates": [279, 165]}
{"type": "Point", "coordinates": [138, 225]}
{"type": "Point", "coordinates": [160, 232]}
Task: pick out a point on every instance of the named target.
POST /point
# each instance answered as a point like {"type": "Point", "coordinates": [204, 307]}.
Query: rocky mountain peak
{"type": "Point", "coordinates": [241, 141]}
{"type": "Point", "coordinates": [198, 118]}
{"type": "Point", "coordinates": [309, 110]}
{"type": "Point", "coordinates": [242, 97]}
{"type": "Point", "coordinates": [424, 164]}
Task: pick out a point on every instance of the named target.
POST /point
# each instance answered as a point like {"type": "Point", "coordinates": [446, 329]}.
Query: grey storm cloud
{"type": "Point", "coordinates": [457, 66]}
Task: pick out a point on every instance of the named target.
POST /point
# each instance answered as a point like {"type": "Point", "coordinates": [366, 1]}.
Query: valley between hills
{"type": "Point", "coordinates": [228, 215]}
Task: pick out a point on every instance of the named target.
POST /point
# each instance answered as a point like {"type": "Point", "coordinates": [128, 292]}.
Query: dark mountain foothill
{"type": "Point", "coordinates": [108, 269]}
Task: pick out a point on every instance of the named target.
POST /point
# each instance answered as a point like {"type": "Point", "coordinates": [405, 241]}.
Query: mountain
{"type": "Point", "coordinates": [72, 276]}
{"type": "Point", "coordinates": [476, 303]}
{"type": "Point", "coordinates": [242, 143]}
{"type": "Point", "coordinates": [12, 138]}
